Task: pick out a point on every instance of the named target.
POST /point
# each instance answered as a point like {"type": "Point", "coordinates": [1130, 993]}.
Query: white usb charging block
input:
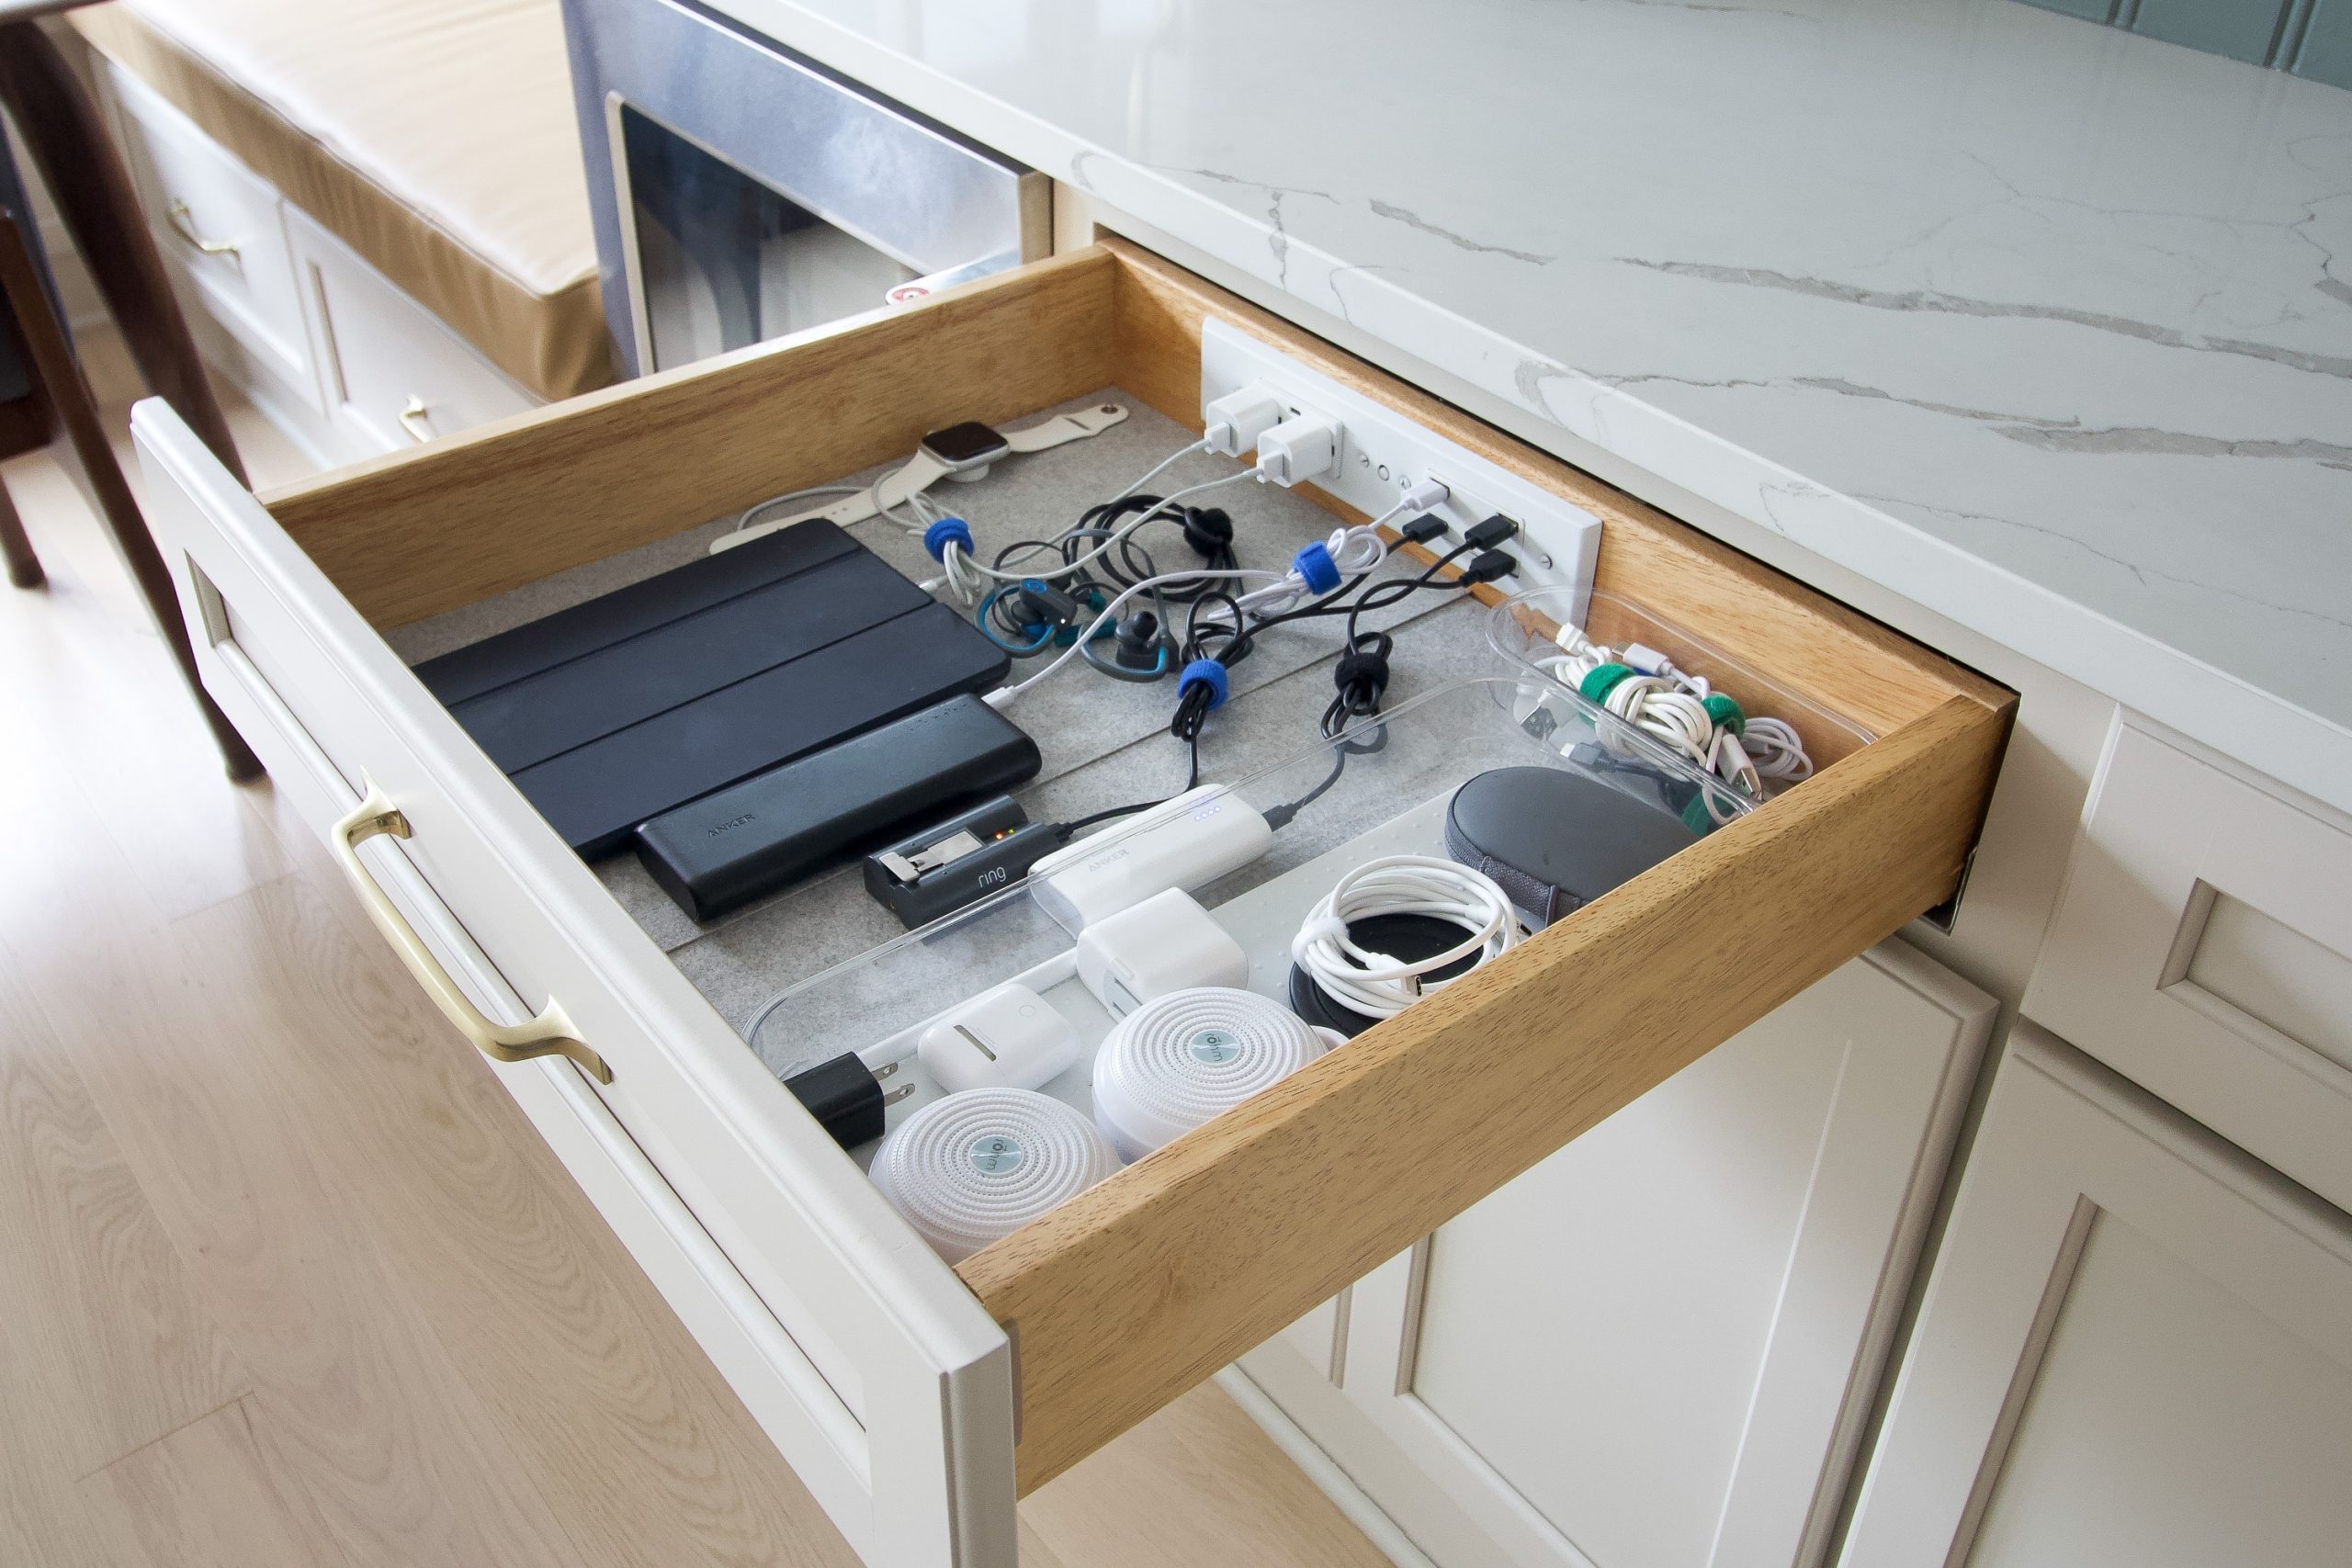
{"type": "Point", "coordinates": [1186, 843]}
{"type": "Point", "coordinates": [1166, 943]}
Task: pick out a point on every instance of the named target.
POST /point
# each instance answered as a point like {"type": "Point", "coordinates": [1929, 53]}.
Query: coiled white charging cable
{"type": "Point", "coordinates": [1681, 710]}
{"type": "Point", "coordinates": [1377, 984]}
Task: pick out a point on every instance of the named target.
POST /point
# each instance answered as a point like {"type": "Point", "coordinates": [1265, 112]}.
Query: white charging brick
{"type": "Point", "coordinates": [1381, 455]}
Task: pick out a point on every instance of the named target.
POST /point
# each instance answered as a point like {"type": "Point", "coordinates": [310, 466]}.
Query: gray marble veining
{"type": "Point", "coordinates": [2046, 327]}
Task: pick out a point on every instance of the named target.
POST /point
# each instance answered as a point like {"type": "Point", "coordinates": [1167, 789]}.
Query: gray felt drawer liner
{"type": "Point", "coordinates": [1105, 742]}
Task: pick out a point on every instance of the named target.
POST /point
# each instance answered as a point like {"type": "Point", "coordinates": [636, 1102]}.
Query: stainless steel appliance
{"type": "Point", "coordinates": [742, 192]}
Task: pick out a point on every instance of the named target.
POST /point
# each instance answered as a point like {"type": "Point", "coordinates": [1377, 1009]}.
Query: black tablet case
{"type": "Point", "coordinates": [619, 709]}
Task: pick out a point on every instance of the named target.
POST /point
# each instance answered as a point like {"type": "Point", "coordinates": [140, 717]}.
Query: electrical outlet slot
{"type": "Point", "coordinates": [1383, 455]}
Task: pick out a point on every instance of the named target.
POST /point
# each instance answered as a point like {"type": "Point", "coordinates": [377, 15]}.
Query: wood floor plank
{"type": "Point", "coordinates": [393, 1449]}
{"type": "Point", "coordinates": [1197, 1483]}
{"type": "Point", "coordinates": [608, 1409]}
{"type": "Point", "coordinates": [113, 1347]}
{"type": "Point", "coordinates": [445, 1349]}
{"type": "Point", "coordinates": [1034, 1553]}
{"type": "Point", "coordinates": [44, 1519]}
{"type": "Point", "coordinates": [203, 1497]}
{"type": "Point", "coordinates": [86, 671]}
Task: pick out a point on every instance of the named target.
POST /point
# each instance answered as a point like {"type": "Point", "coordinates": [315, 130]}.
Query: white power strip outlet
{"type": "Point", "coordinates": [1383, 455]}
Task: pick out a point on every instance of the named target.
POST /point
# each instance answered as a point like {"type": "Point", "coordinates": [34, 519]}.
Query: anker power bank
{"type": "Point", "coordinates": [718, 853]}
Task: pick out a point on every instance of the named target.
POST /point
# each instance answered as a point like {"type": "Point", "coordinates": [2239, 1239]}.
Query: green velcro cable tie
{"type": "Point", "coordinates": [1725, 713]}
{"type": "Point", "coordinates": [1602, 678]}
{"type": "Point", "coordinates": [1696, 818]}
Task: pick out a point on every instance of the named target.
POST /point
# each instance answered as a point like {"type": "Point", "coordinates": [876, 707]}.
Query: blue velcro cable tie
{"type": "Point", "coordinates": [1207, 673]}
{"type": "Point", "coordinates": [1316, 567]}
{"type": "Point", "coordinates": [947, 531]}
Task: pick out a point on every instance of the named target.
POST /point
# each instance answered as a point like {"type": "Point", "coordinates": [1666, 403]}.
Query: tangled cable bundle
{"type": "Point", "coordinates": [1377, 984]}
{"type": "Point", "coordinates": [1645, 688]}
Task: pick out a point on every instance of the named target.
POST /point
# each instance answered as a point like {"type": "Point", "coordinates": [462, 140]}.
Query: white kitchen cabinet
{"type": "Point", "coordinates": [2201, 949]}
{"type": "Point", "coordinates": [2135, 1349]}
{"type": "Point", "coordinates": [392, 375]}
{"type": "Point", "coordinates": [917, 1399]}
{"type": "Point", "coordinates": [1656, 1347]}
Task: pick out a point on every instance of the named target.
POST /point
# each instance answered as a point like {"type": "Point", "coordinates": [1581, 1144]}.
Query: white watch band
{"type": "Point", "coordinates": [1050, 433]}
{"type": "Point", "coordinates": [922, 470]}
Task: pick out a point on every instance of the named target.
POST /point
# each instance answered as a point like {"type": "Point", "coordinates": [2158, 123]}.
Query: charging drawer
{"type": "Point", "coordinates": [918, 1400]}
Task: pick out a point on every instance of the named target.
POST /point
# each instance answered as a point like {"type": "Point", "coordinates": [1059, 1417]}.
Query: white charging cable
{"type": "Point", "coordinates": [1377, 984]}
{"type": "Point", "coordinates": [1079, 564]}
{"type": "Point", "coordinates": [1161, 466]}
{"type": "Point", "coordinates": [1346, 553]}
{"type": "Point", "coordinates": [759, 507]}
{"type": "Point", "coordinates": [1681, 709]}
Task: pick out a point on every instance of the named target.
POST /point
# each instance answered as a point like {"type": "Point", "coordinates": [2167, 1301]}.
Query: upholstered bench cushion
{"type": "Point", "coordinates": [437, 137]}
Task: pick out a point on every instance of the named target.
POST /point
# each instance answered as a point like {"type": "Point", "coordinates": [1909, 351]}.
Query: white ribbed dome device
{"type": "Point", "coordinates": [977, 1166]}
{"type": "Point", "coordinates": [1180, 1059]}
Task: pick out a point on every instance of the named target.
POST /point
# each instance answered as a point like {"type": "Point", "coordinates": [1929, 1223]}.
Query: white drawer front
{"type": "Point", "coordinates": [221, 227]}
{"type": "Point", "coordinates": [393, 375]}
{"type": "Point", "coordinates": [2203, 947]}
{"type": "Point", "coordinates": [880, 1379]}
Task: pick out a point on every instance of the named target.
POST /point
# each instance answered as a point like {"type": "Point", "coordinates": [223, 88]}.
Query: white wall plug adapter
{"type": "Point", "coordinates": [1166, 943]}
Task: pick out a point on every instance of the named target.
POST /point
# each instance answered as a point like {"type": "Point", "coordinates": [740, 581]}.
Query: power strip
{"type": "Point", "coordinates": [1381, 455]}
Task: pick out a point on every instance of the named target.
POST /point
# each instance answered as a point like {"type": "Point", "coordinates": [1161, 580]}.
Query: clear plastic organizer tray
{"type": "Point", "coordinates": [1382, 787]}
{"type": "Point", "coordinates": [1524, 632]}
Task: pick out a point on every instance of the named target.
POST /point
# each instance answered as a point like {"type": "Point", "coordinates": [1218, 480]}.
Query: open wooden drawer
{"type": "Point", "coordinates": [918, 1400]}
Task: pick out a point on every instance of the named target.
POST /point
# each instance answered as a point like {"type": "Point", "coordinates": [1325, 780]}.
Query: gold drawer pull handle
{"type": "Point", "coordinates": [415, 421]}
{"type": "Point", "coordinates": [549, 1034]}
{"type": "Point", "coordinates": [184, 225]}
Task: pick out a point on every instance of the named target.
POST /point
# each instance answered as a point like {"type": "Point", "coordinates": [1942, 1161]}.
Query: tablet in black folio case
{"type": "Point", "coordinates": [619, 709]}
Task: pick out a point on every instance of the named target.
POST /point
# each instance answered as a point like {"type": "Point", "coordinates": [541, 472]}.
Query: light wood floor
{"type": "Point", "coordinates": [284, 1278]}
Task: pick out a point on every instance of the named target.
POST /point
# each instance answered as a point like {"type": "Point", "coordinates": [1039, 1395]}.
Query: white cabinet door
{"type": "Point", "coordinates": [2136, 1349]}
{"type": "Point", "coordinates": [1655, 1349]}
{"type": "Point", "coordinates": [2203, 949]}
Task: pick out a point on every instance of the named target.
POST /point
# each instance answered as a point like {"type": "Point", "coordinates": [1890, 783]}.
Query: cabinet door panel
{"type": "Point", "coordinates": [1654, 1348]}
{"type": "Point", "coordinates": [2203, 949]}
{"type": "Point", "coordinates": [2136, 1349]}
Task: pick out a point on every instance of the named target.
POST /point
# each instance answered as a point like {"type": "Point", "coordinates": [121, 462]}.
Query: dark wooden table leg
{"type": "Point", "coordinates": [76, 155]}
{"type": "Point", "coordinates": [93, 455]}
{"type": "Point", "coordinates": [24, 567]}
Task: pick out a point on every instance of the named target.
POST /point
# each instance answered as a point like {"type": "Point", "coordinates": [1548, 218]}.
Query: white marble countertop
{"type": "Point", "coordinates": [2042, 325]}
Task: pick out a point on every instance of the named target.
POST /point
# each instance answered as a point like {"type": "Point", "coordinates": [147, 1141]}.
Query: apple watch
{"type": "Point", "coordinates": [963, 452]}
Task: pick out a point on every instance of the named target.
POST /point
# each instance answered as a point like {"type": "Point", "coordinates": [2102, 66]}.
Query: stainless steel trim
{"type": "Point", "coordinates": [908, 189]}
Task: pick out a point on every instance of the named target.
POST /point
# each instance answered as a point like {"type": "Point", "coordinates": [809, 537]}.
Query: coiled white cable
{"type": "Point", "coordinates": [1777, 749]}
{"type": "Point", "coordinates": [1671, 703]}
{"type": "Point", "coordinates": [1376, 983]}
{"type": "Point", "coordinates": [979, 1164]}
{"type": "Point", "coordinates": [1354, 550]}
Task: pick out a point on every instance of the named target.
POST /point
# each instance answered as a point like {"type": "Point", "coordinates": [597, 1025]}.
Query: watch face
{"type": "Point", "coordinates": [965, 446]}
